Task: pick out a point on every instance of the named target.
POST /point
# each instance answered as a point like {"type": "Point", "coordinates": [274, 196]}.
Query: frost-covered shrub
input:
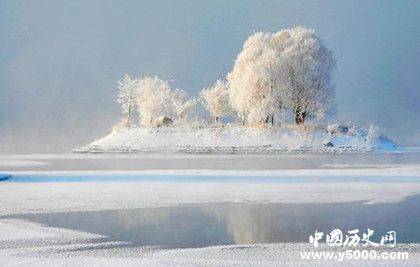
{"type": "Point", "coordinates": [337, 129]}
{"type": "Point", "coordinates": [183, 106]}
{"type": "Point", "coordinates": [122, 124]}
{"type": "Point", "coordinates": [374, 133]}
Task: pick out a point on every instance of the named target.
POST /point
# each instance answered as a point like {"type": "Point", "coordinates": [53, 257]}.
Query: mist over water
{"type": "Point", "coordinates": [59, 61]}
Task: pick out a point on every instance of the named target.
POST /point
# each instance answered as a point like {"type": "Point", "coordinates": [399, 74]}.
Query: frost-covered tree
{"type": "Point", "coordinates": [127, 88]}
{"type": "Point", "coordinates": [306, 69]}
{"type": "Point", "coordinates": [182, 104]}
{"type": "Point", "coordinates": [287, 70]}
{"type": "Point", "coordinates": [154, 98]}
{"type": "Point", "coordinates": [216, 99]}
{"type": "Point", "coordinates": [253, 81]}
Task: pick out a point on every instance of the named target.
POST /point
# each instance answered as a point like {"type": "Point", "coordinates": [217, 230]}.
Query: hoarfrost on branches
{"type": "Point", "coordinates": [288, 71]}
{"type": "Point", "coordinates": [126, 96]}
{"type": "Point", "coordinates": [306, 75]}
{"type": "Point", "coordinates": [275, 75]}
{"type": "Point", "coordinates": [154, 99]}
{"type": "Point", "coordinates": [216, 99]}
{"type": "Point", "coordinates": [183, 105]}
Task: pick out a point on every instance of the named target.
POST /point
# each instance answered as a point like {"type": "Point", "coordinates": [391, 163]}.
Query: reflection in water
{"type": "Point", "coordinates": [233, 223]}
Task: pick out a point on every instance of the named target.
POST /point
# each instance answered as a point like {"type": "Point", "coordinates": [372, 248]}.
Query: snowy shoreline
{"type": "Point", "coordinates": [240, 140]}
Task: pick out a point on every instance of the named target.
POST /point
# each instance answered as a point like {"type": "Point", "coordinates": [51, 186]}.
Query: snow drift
{"type": "Point", "coordinates": [232, 139]}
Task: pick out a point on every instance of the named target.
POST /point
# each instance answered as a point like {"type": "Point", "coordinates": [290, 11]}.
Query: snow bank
{"type": "Point", "coordinates": [241, 140]}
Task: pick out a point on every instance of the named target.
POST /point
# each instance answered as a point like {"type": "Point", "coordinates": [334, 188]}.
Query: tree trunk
{"type": "Point", "coordinates": [298, 119]}
{"type": "Point", "coordinates": [300, 115]}
{"type": "Point", "coordinates": [267, 119]}
{"type": "Point", "coordinates": [128, 116]}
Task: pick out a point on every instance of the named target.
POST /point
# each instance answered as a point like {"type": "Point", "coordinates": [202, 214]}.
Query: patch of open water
{"type": "Point", "coordinates": [202, 225]}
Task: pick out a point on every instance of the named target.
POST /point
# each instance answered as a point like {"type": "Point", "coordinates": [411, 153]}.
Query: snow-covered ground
{"type": "Point", "coordinates": [46, 194]}
{"type": "Point", "coordinates": [58, 247]}
{"type": "Point", "coordinates": [242, 140]}
{"type": "Point", "coordinates": [58, 196]}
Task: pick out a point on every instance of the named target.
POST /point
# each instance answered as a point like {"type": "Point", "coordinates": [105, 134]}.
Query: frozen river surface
{"type": "Point", "coordinates": [189, 210]}
{"type": "Point", "coordinates": [103, 162]}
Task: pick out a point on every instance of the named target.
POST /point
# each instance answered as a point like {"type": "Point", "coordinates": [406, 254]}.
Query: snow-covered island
{"type": "Point", "coordinates": [277, 98]}
{"type": "Point", "coordinates": [232, 139]}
